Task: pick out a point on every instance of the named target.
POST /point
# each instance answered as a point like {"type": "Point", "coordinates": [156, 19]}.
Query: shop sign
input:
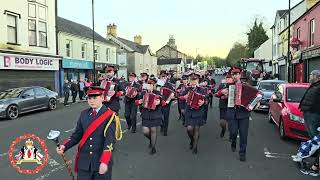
{"type": "Point", "coordinates": [311, 54]}
{"type": "Point", "coordinates": [76, 64]}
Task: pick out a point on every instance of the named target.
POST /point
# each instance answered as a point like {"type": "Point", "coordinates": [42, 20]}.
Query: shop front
{"type": "Point", "coordinates": [298, 67]}
{"type": "Point", "coordinates": [21, 70]}
{"type": "Point", "coordinates": [282, 69]}
{"type": "Point", "coordinates": [311, 57]}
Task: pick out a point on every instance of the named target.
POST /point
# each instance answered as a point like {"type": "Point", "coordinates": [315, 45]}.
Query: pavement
{"type": "Point", "coordinates": [268, 157]}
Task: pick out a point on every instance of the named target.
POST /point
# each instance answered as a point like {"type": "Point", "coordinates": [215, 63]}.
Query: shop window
{"type": "Point", "coordinates": [38, 31]}
{"type": "Point", "coordinates": [12, 28]}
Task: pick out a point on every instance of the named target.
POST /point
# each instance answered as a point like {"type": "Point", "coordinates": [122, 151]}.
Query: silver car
{"type": "Point", "coordinates": [14, 102]}
{"type": "Point", "coordinates": [267, 87]}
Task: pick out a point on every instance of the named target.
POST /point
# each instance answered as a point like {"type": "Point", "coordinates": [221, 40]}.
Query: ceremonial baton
{"type": "Point", "coordinates": [54, 136]}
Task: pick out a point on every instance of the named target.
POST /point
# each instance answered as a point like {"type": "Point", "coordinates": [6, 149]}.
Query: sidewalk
{"type": "Point", "coordinates": [61, 100]}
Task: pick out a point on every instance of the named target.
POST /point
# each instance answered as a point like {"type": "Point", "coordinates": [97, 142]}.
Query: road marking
{"type": "Point", "coordinates": [4, 154]}
{"type": "Point", "coordinates": [58, 168]}
{"type": "Point", "coordinates": [269, 154]}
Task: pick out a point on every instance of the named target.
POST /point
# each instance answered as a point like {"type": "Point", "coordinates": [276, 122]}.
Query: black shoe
{"type": "Point", "coordinates": [233, 148]}
{"type": "Point", "coordinates": [165, 133]}
{"type": "Point", "coordinates": [222, 133]}
{"type": "Point", "coordinates": [195, 151]}
{"type": "Point", "coordinates": [150, 145]}
{"type": "Point", "coordinates": [191, 145]}
{"type": "Point", "coordinates": [242, 158]}
{"type": "Point", "coordinates": [153, 151]}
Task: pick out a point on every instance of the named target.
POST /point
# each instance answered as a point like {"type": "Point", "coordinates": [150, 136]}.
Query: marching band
{"type": "Point", "coordinates": [194, 94]}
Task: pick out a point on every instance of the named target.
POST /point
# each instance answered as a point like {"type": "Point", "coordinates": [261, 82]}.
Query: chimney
{"type": "Point", "coordinates": [138, 39]}
{"type": "Point", "coordinates": [112, 30]}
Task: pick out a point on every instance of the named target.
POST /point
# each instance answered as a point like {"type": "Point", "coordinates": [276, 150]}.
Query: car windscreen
{"type": "Point", "coordinates": [295, 94]}
{"type": "Point", "coordinates": [268, 86]}
{"type": "Point", "coordinates": [11, 93]}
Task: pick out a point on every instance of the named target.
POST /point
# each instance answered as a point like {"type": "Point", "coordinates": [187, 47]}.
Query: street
{"type": "Point", "coordinates": [268, 157]}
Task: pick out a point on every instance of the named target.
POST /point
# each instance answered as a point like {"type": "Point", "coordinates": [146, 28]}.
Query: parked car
{"type": "Point", "coordinates": [267, 87]}
{"type": "Point", "coordinates": [284, 111]}
{"type": "Point", "coordinates": [14, 102]}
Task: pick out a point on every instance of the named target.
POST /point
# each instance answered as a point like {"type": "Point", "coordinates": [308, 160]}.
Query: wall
{"type": "Point", "coordinates": [264, 51]}
{"type": "Point", "coordinates": [21, 7]}
{"type": "Point", "coordinates": [76, 48]}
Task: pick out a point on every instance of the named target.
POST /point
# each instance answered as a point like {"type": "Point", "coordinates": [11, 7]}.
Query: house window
{"type": "Point", "coordinates": [32, 33]}
{"type": "Point", "coordinates": [96, 52]}
{"type": "Point", "coordinates": [298, 37]}
{"type": "Point", "coordinates": [69, 48]}
{"type": "Point", "coordinates": [42, 34]}
{"type": "Point", "coordinates": [12, 28]}
{"type": "Point", "coordinates": [83, 50]}
{"type": "Point", "coordinates": [108, 54]}
{"type": "Point", "coordinates": [38, 31]}
{"type": "Point", "coordinates": [312, 31]}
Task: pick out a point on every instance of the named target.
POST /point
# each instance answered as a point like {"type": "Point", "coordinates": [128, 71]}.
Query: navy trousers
{"type": "Point", "coordinates": [240, 126]}
{"type": "Point", "coordinates": [94, 175]}
{"type": "Point", "coordinates": [166, 114]}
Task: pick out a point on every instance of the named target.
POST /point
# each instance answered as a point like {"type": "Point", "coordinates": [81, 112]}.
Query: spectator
{"type": "Point", "coordinates": [309, 105]}
{"type": "Point", "coordinates": [66, 91]}
{"type": "Point", "coordinates": [74, 90]}
{"type": "Point", "coordinates": [81, 89]}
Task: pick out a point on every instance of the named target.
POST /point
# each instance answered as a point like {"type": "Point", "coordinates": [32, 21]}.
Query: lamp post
{"type": "Point", "coordinates": [288, 67]}
{"type": "Point", "coordinates": [94, 57]}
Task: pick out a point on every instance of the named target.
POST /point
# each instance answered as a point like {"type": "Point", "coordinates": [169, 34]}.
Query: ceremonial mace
{"type": "Point", "coordinates": [54, 136]}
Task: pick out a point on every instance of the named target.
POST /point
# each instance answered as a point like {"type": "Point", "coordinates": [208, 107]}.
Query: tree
{"type": "Point", "coordinates": [257, 35]}
{"type": "Point", "coordinates": [237, 52]}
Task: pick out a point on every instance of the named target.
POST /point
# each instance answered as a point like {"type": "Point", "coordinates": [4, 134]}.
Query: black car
{"type": "Point", "coordinates": [14, 102]}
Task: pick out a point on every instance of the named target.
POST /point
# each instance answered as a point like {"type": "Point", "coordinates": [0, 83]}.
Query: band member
{"type": "Point", "coordinates": [239, 118]}
{"type": "Point", "coordinates": [205, 85]}
{"type": "Point", "coordinates": [114, 102]}
{"type": "Point", "coordinates": [182, 102]}
{"type": "Point", "coordinates": [96, 132]}
{"type": "Point", "coordinates": [212, 84]}
{"type": "Point", "coordinates": [223, 104]}
{"type": "Point", "coordinates": [166, 106]}
{"type": "Point", "coordinates": [151, 119]}
{"type": "Point", "coordinates": [143, 78]}
{"type": "Point", "coordinates": [195, 118]}
{"type": "Point", "coordinates": [130, 106]}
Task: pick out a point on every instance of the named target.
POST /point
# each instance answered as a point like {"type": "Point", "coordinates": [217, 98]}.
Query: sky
{"type": "Point", "coordinates": [205, 27]}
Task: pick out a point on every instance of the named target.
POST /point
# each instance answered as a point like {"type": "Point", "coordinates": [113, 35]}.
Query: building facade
{"type": "Point", "coordinates": [132, 55]}
{"type": "Point", "coordinates": [28, 44]}
{"type": "Point", "coordinates": [265, 52]}
{"type": "Point", "coordinates": [76, 46]}
{"type": "Point", "coordinates": [305, 44]}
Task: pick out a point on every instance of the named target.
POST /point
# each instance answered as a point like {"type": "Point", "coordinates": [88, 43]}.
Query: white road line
{"type": "Point", "coordinates": [269, 154]}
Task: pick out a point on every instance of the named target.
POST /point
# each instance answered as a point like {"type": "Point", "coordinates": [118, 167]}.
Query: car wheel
{"type": "Point", "coordinates": [270, 117]}
{"type": "Point", "coordinates": [52, 104]}
{"type": "Point", "coordinates": [281, 130]}
{"type": "Point", "coordinates": [12, 112]}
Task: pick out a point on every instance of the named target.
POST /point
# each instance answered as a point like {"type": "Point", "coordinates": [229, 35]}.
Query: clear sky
{"type": "Point", "coordinates": [206, 27]}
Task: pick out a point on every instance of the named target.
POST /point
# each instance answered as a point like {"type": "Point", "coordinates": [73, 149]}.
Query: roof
{"type": "Point", "coordinates": [280, 13]}
{"type": "Point", "coordinates": [135, 46]}
{"type": "Point", "coordinates": [169, 61]}
{"type": "Point", "coordinates": [171, 48]}
{"type": "Point", "coordinates": [65, 25]}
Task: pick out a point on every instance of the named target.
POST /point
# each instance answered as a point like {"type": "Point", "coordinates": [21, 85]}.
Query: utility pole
{"type": "Point", "coordinates": [288, 67]}
{"type": "Point", "coordinates": [94, 57]}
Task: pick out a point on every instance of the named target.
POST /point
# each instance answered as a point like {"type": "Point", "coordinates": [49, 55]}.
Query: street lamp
{"type": "Point", "coordinates": [289, 52]}
{"type": "Point", "coordinates": [94, 51]}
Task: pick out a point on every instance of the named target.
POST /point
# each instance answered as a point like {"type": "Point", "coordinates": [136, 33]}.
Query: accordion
{"type": "Point", "coordinates": [148, 101]}
{"type": "Point", "coordinates": [166, 94]}
{"type": "Point", "coordinates": [243, 95]}
{"type": "Point", "coordinates": [130, 91]}
{"type": "Point", "coordinates": [110, 88]}
{"type": "Point", "coordinates": [193, 99]}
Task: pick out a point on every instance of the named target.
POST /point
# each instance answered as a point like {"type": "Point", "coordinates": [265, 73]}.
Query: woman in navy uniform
{"type": "Point", "coordinates": [96, 132]}
{"type": "Point", "coordinates": [166, 107]}
{"type": "Point", "coordinates": [239, 118]}
{"type": "Point", "coordinates": [182, 102]}
{"type": "Point", "coordinates": [130, 106]}
{"type": "Point", "coordinates": [114, 103]}
{"type": "Point", "coordinates": [195, 118]}
{"type": "Point", "coordinates": [223, 105]}
{"type": "Point", "coordinates": [151, 119]}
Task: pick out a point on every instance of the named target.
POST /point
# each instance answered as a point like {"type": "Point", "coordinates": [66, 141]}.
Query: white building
{"type": "Point", "coordinates": [76, 46]}
{"type": "Point", "coordinates": [265, 52]}
{"type": "Point", "coordinates": [28, 44]}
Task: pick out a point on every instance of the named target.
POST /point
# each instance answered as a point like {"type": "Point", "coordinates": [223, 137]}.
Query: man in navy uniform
{"type": "Point", "coordinates": [165, 106]}
{"type": "Point", "coordinates": [239, 118]}
{"type": "Point", "coordinates": [130, 106]}
{"type": "Point", "coordinates": [114, 103]}
{"type": "Point", "coordinates": [96, 132]}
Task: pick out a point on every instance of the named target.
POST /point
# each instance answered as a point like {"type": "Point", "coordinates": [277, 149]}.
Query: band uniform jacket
{"type": "Point", "coordinates": [170, 86]}
{"type": "Point", "coordinates": [182, 102]}
{"type": "Point", "coordinates": [93, 150]}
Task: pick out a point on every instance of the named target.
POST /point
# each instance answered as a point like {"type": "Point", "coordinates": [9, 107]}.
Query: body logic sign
{"type": "Point", "coordinates": [21, 62]}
